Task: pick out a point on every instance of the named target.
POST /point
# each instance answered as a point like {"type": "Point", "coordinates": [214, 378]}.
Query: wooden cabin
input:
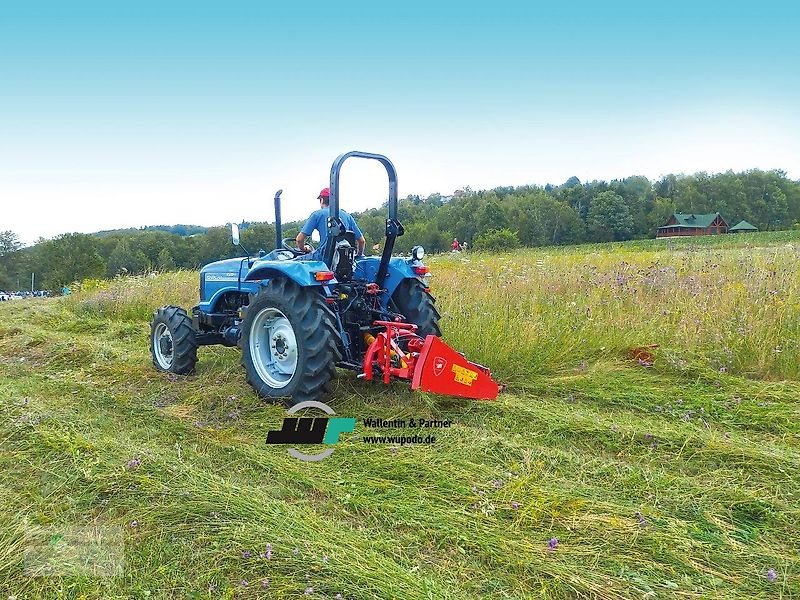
{"type": "Point", "coordinates": [693, 224]}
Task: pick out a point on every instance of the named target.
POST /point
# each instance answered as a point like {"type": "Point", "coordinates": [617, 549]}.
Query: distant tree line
{"type": "Point", "coordinates": [502, 218]}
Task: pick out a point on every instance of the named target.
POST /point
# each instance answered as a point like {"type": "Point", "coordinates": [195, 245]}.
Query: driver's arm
{"type": "Point", "coordinates": [307, 229]}
{"type": "Point", "coordinates": [361, 241]}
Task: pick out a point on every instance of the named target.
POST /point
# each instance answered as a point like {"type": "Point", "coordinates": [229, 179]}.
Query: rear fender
{"type": "Point", "coordinates": [301, 271]}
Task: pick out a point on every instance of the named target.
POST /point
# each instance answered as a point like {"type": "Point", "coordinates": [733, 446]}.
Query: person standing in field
{"type": "Point", "coordinates": [455, 245]}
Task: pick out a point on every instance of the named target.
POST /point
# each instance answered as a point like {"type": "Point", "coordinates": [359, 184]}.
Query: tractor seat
{"type": "Point", "coordinates": [344, 249]}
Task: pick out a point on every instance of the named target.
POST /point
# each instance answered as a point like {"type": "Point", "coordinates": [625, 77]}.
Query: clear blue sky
{"type": "Point", "coordinates": [124, 114]}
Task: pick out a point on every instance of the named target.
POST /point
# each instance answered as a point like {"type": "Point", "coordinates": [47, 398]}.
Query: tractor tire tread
{"type": "Point", "coordinates": [184, 338]}
{"type": "Point", "coordinates": [314, 326]}
{"type": "Point", "coordinates": [418, 307]}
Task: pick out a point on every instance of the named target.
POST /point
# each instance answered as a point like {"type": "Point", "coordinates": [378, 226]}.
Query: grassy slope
{"type": "Point", "coordinates": [703, 444]}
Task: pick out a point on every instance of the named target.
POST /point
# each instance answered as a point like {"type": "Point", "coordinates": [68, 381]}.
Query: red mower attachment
{"type": "Point", "coordinates": [430, 364]}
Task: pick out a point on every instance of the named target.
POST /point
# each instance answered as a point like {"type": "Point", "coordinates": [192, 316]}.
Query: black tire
{"type": "Point", "coordinates": [417, 306]}
{"type": "Point", "coordinates": [173, 341]}
{"type": "Point", "coordinates": [315, 346]}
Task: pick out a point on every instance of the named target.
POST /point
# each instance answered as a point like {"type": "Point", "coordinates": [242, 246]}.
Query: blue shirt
{"type": "Point", "coordinates": [319, 221]}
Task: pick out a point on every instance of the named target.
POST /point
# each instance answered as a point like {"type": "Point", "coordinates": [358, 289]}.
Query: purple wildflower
{"type": "Point", "coordinates": [772, 576]}
{"type": "Point", "coordinates": [498, 483]}
{"type": "Point", "coordinates": [338, 597]}
{"type": "Point", "coordinates": [133, 463]}
{"type": "Point", "coordinates": [552, 544]}
{"type": "Point", "coordinates": [514, 504]}
{"type": "Point", "coordinates": [296, 551]}
{"type": "Point", "coordinates": [244, 583]}
{"type": "Point", "coordinates": [134, 524]}
{"type": "Point", "coordinates": [264, 583]}
{"type": "Point", "coordinates": [309, 591]}
{"type": "Point", "coordinates": [641, 519]}
{"type": "Point", "coordinates": [246, 554]}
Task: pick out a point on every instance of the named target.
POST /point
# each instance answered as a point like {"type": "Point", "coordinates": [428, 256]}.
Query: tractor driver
{"type": "Point", "coordinates": [319, 221]}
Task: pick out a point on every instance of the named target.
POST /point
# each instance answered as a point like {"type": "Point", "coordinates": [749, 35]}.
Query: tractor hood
{"type": "Point", "coordinates": [230, 267]}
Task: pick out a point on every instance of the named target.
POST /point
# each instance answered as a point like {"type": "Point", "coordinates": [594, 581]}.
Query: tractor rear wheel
{"type": "Point", "coordinates": [173, 342]}
{"type": "Point", "coordinates": [417, 306]}
{"type": "Point", "coordinates": [289, 343]}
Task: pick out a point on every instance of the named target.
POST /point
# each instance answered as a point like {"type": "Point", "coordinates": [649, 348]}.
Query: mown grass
{"type": "Point", "coordinates": [676, 479]}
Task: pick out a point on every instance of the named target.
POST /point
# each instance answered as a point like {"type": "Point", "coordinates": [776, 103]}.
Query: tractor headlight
{"type": "Point", "coordinates": [418, 253]}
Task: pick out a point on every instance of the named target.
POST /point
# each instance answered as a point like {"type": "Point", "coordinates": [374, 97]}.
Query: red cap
{"type": "Point", "coordinates": [325, 193]}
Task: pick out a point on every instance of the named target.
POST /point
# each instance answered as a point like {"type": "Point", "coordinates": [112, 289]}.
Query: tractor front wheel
{"type": "Point", "coordinates": [417, 305]}
{"type": "Point", "coordinates": [289, 343]}
{"type": "Point", "coordinates": [173, 343]}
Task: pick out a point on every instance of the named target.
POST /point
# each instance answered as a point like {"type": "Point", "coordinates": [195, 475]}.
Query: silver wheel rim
{"type": "Point", "coordinates": [273, 348]}
{"type": "Point", "coordinates": [163, 358]}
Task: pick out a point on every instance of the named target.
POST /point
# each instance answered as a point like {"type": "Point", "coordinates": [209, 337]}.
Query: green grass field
{"type": "Point", "coordinates": [672, 479]}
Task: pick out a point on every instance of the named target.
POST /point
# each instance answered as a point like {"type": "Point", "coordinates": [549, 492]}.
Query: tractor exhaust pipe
{"type": "Point", "coordinates": [278, 232]}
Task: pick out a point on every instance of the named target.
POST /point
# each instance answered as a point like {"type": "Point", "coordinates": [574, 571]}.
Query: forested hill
{"type": "Point", "coordinates": [505, 217]}
{"type": "Point", "coordinates": [181, 230]}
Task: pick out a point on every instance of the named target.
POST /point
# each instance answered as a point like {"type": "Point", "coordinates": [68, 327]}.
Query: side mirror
{"type": "Point", "coordinates": [235, 234]}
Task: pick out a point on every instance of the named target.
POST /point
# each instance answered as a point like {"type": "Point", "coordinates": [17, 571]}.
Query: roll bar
{"type": "Point", "coordinates": [335, 225]}
{"type": "Point", "coordinates": [337, 168]}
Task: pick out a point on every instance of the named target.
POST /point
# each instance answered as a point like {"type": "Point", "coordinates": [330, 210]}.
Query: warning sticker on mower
{"type": "Point", "coordinates": [464, 376]}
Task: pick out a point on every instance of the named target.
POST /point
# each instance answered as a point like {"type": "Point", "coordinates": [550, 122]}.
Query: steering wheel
{"type": "Point", "coordinates": [288, 244]}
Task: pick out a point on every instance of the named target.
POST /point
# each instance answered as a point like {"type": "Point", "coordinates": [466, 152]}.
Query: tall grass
{"type": "Point", "coordinates": [675, 480]}
{"type": "Point", "coordinates": [734, 310]}
{"type": "Point", "coordinates": [134, 298]}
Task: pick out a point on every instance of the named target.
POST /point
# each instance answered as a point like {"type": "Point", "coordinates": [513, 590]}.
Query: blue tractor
{"type": "Point", "coordinates": [296, 317]}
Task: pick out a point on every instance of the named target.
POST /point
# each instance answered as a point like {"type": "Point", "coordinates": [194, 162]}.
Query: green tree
{"type": "Point", "coordinates": [497, 239]}
{"type": "Point", "coordinates": [68, 258]}
{"type": "Point", "coordinates": [9, 259]}
{"type": "Point", "coordinates": [121, 260]}
{"type": "Point", "coordinates": [609, 218]}
{"type": "Point", "coordinates": [165, 262]}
